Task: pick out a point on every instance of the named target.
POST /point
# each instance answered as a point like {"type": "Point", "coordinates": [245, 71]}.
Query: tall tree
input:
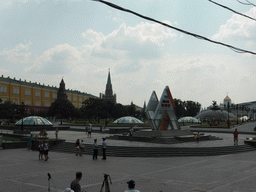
{"type": "Point", "coordinates": [63, 108]}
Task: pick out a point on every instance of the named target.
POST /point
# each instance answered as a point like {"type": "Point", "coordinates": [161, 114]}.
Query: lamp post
{"type": "Point", "coordinates": [228, 114]}
{"type": "Point", "coordinates": [237, 114]}
{"type": "Point", "coordinates": [253, 114]}
{"type": "Point", "coordinates": [22, 115]}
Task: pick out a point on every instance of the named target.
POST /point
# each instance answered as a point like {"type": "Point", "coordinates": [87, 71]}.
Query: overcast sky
{"type": "Point", "coordinates": [45, 40]}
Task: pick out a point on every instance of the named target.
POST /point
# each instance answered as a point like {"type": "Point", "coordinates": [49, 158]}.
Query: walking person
{"type": "Point", "coordinates": [235, 133]}
{"type": "Point", "coordinates": [46, 151]}
{"type": "Point", "coordinates": [30, 142]}
{"type": "Point", "coordinates": [77, 144]}
{"type": "Point", "coordinates": [75, 185]}
{"type": "Point", "coordinates": [56, 133]}
{"type": "Point", "coordinates": [86, 130]}
{"type": "Point", "coordinates": [95, 149]}
{"type": "Point", "coordinates": [89, 131]}
{"type": "Point", "coordinates": [81, 147]}
{"type": "Point", "coordinates": [41, 150]}
{"type": "Point", "coordinates": [131, 134]}
{"type": "Point", "coordinates": [197, 137]}
{"type": "Point", "coordinates": [104, 147]}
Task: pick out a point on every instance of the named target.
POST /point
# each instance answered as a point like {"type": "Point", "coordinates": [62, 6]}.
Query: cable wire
{"type": "Point", "coordinates": [225, 7]}
{"type": "Point", "coordinates": [248, 3]}
{"type": "Point", "coordinates": [238, 50]}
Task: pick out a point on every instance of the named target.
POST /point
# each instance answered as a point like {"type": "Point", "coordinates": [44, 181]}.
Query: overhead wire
{"type": "Point", "coordinates": [225, 7]}
{"type": "Point", "coordinates": [236, 49]}
{"type": "Point", "coordinates": [248, 3]}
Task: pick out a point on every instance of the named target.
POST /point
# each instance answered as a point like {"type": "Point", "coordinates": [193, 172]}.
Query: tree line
{"type": "Point", "coordinates": [94, 109]}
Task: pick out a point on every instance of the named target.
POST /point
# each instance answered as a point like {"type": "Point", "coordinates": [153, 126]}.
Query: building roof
{"type": "Point", "coordinates": [227, 98]}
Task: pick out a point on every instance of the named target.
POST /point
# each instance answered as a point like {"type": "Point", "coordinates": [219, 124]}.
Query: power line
{"type": "Point", "coordinates": [238, 50]}
{"type": "Point", "coordinates": [225, 7]}
{"type": "Point", "coordinates": [248, 3]}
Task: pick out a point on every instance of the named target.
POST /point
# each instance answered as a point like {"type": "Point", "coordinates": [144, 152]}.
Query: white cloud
{"type": "Point", "coordinates": [57, 60]}
{"type": "Point", "coordinates": [238, 28]}
{"type": "Point", "coordinates": [20, 54]}
{"type": "Point", "coordinates": [144, 41]}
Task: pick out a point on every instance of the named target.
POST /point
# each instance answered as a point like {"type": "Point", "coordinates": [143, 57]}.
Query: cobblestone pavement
{"type": "Point", "coordinates": [20, 170]}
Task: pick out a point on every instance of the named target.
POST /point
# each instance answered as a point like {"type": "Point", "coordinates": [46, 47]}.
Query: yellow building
{"type": "Point", "coordinates": [35, 94]}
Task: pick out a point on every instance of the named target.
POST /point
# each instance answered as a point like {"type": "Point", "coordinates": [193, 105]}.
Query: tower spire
{"type": "Point", "coordinates": [109, 92]}
{"type": "Point", "coordinates": [109, 79]}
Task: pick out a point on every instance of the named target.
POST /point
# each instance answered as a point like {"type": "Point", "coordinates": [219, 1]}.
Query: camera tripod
{"type": "Point", "coordinates": [105, 182]}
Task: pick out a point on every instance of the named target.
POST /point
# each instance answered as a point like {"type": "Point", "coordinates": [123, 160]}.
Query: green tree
{"type": "Point", "coordinates": [95, 108]}
{"type": "Point", "coordinates": [131, 110]}
{"type": "Point", "coordinates": [179, 108]}
{"type": "Point", "coordinates": [119, 111]}
{"type": "Point", "coordinates": [192, 108]}
{"type": "Point", "coordinates": [63, 108]}
{"type": "Point", "coordinates": [9, 110]}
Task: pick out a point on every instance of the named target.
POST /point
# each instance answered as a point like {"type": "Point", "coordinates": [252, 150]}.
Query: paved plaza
{"type": "Point", "coordinates": [20, 169]}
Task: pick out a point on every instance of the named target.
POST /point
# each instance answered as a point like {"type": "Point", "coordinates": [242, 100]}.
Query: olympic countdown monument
{"type": "Point", "coordinates": [160, 114]}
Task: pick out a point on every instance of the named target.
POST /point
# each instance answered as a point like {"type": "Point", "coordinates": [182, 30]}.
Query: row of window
{"type": "Point", "coordinates": [16, 90]}
{"type": "Point", "coordinates": [38, 103]}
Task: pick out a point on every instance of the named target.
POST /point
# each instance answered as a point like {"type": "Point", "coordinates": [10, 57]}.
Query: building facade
{"type": "Point", "coordinates": [36, 95]}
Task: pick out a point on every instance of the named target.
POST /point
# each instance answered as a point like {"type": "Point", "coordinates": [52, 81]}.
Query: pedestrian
{"type": "Point", "coordinates": [30, 142]}
{"type": "Point", "coordinates": [46, 151]}
{"type": "Point", "coordinates": [56, 133]}
{"type": "Point", "coordinates": [95, 149]}
{"type": "Point", "coordinates": [131, 186]}
{"type": "Point", "coordinates": [75, 185]}
{"type": "Point", "coordinates": [104, 147]}
{"type": "Point", "coordinates": [197, 137]}
{"type": "Point", "coordinates": [235, 133]}
{"type": "Point", "coordinates": [81, 148]}
{"type": "Point", "coordinates": [41, 150]}
{"type": "Point", "coordinates": [77, 144]}
{"type": "Point", "coordinates": [86, 130]}
{"type": "Point", "coordinates": [103, 127]}
{"type": "Point", "coordinates": [89, 131]}
{"type": "Point", "coordinates": [131, 134]}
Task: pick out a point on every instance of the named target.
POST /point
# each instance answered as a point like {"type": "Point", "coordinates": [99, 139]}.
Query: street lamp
{"type": "Point", "coordinates": [228, 114]}
{"type": "Point", "coordinates": [237, 114]}
{"type": "Point", "coordinates": [22, 115]}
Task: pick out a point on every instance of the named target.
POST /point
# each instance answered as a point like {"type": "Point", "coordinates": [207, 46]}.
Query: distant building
{"type": "Point", "coordinates": [226, 102]}
{"type": "Point", "coordinates": [38, 97]}
{"type": "Point", "coordinates": [109, 96]}
{"type": "Point", "coordinates": [238, 109]}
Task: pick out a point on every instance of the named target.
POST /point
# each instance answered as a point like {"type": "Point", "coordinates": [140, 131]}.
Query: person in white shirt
{"type": "Point", "coordinates": [95, 149]}
{"type": "Point", "coordinates": [131, 186]}
{"type": "Point", "coordinates": [104, 147]}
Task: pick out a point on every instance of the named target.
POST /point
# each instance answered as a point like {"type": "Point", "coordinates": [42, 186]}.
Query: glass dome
{"type": "Point", "coordinates": [189, 120]}
{"type": "Point", "coordinates": [215, 114]}
{"type": "Point", "coordinates": [34, 120]}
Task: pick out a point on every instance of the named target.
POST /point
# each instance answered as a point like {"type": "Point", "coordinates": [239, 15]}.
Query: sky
{"type": "Point", "coordinates": [79, 40]}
